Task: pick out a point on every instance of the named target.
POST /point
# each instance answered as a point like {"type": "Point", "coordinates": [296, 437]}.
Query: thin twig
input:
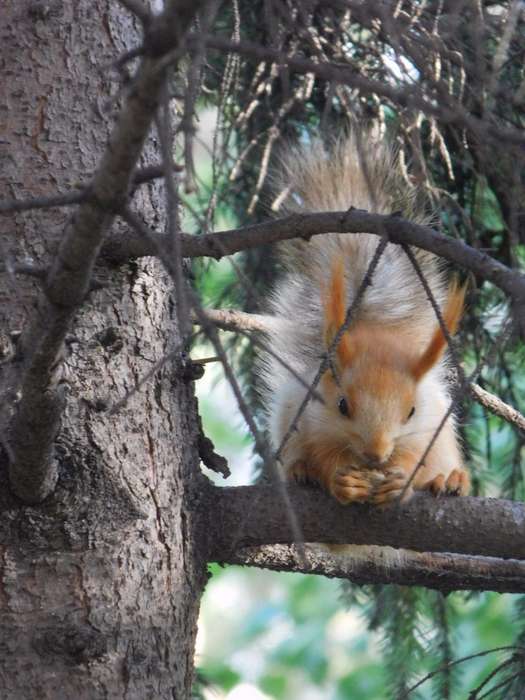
{"type": "Point", "coordinates": [497, 406]}
{"type": "Point", "coordinates": [408, 95]}
{"type": "Point", "coordinates": [515, 649]}
{"type": "Point", "coordinates": [236, 321]}
{"type": "Point", "coordinates": [118, 405]}
{"type": "Point", "coordinates": [20, 268]}
{"type": "Point", "coordinates": [473, 695]}
{"type": "Point", "coordinates": [57, 200]}
{"type": "Point", "coordinates": [435, 306]}
{"type": "Point", "coordinates": [261, 447]}
{"type": "Point", "coordinates": [499, 686]}
{"type": "Point", "coordinates": [172, 210]}
{"type": "Point", "coordinates": [141, 176]}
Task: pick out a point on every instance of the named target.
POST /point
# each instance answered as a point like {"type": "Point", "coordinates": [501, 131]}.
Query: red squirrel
{"type": "Point", "coordinates": [385, 393]}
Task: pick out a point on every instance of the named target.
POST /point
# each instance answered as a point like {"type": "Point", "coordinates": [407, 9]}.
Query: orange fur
{"type": "Point", "coordinates": [366, 461]}
{"type": "Point", "coordinates": [335, 313]}
{"type": "Point", "coordinates": [451, 316]}
{"type": "Point", "coordinates": [387, 390]}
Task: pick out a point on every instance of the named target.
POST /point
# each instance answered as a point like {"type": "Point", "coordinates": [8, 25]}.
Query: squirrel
{"type": "Point", "coordinates": [385, 391]}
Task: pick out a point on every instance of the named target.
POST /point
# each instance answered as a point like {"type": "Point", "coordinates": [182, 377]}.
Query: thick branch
{"type": "Point", "coordinates": [35, 423]}
{"type": "Point", "coordinates": [472, 526]}
{"type": "Point", "coordinates": [443, 572]}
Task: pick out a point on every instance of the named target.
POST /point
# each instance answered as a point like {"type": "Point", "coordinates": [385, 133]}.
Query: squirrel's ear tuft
{"type": "Point", "coordinates": [334, 303]}
{"type": "Point", "coordinates": [451, 316]}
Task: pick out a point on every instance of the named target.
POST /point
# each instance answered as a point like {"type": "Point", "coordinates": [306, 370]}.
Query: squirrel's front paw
{"type": "Point", "coordinates": [393, 488]}
{"type": "Point", "coordinates": [456, 484]}
{"type": "Point", "coordinates": [350, 485]}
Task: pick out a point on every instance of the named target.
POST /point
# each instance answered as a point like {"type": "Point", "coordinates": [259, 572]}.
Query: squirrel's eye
{"type": "Point", "coordinates": [412, 411]}
{"type": "Point", "coordinates": [343, 407]}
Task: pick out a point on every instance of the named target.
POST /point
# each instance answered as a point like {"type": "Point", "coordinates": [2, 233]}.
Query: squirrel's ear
{"type": "Point", "coordinates": [451, 316]}
{"type": "Point", "coordinates": [334, 302]}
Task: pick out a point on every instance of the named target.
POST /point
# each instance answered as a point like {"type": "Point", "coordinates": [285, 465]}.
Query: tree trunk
{"type": "Point", "coordinates": [100, 585]}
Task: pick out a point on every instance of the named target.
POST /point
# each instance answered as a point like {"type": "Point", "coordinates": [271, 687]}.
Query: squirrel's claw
{"type": "Point", "coordinates": [456, 484]}
{"type": "Point", "coordinates": [299, 472]}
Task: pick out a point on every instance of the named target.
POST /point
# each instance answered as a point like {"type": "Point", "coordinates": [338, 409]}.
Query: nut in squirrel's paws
{"type": "Point", "coordinates": [456, 484]}
{"type": "Point", "coordinates": [393, 487]}
{"type": "Point", "coordinates": [352, 485]}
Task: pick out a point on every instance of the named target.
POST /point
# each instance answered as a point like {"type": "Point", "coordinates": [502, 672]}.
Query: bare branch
{"type": "Point", "coordinates": [141, 381]}
{"type": "Point", "coordinates": [408, 96]}
{"type": "Point", "coordinates": [24, 268]}
{"type": "Point", "coordinates": [262, 449]}
{"type": "Point", "coordinates": [142, 175]}
{"type": "Point", "coordinates": [233, 320]}
{"type": "Point", "coordinates": [485, 527]}
{"type": "Point", "coordinates": [497, 406]}
{"type": "Point", "coordinates": [58, 200]}
{"type": "Point", "coordinates": [515, 649]}
{"type": "Point", "coordinates": [443, 572]}
{"type": "Point", "coordinates": [222, 318]}
{"type": "Point", "coordinates": [398, 230]}
{"type": "Point", "coordinates": [164, 130]}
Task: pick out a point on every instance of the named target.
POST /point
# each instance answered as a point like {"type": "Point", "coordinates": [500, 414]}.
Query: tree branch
{"type": "Point", "coordinates": [497, 406]}
{"type": "Point", "coordinates": [397, 229]}
{"type": "Point", "coordinates": [485, 527]}
{"type": "Point", "coordinates": [408, 96]}
{"type": "Point", "coordinates": [443, 572]}
{"type": "Point", "coordinates": [233, 320]}
{"type": "Point", "coordinates": [32, 431]}
{"type": "Point", "coordinates": [68, 199]}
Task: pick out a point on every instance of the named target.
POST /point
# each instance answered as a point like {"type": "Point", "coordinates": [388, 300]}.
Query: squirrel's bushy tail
{"type": "Point", "coordinates": [356, 171]}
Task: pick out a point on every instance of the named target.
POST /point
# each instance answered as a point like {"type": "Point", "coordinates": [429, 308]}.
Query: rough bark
{"type": "Point", "coordinates": [367, 565]}
{"type": "Point", "coordinates": [248, 516]}
{"type": "Point", "coordinates": [99, 586]}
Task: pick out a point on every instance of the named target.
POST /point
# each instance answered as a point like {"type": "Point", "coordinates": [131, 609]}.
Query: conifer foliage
{"type": "Point", "coordinates": [444, 82]}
